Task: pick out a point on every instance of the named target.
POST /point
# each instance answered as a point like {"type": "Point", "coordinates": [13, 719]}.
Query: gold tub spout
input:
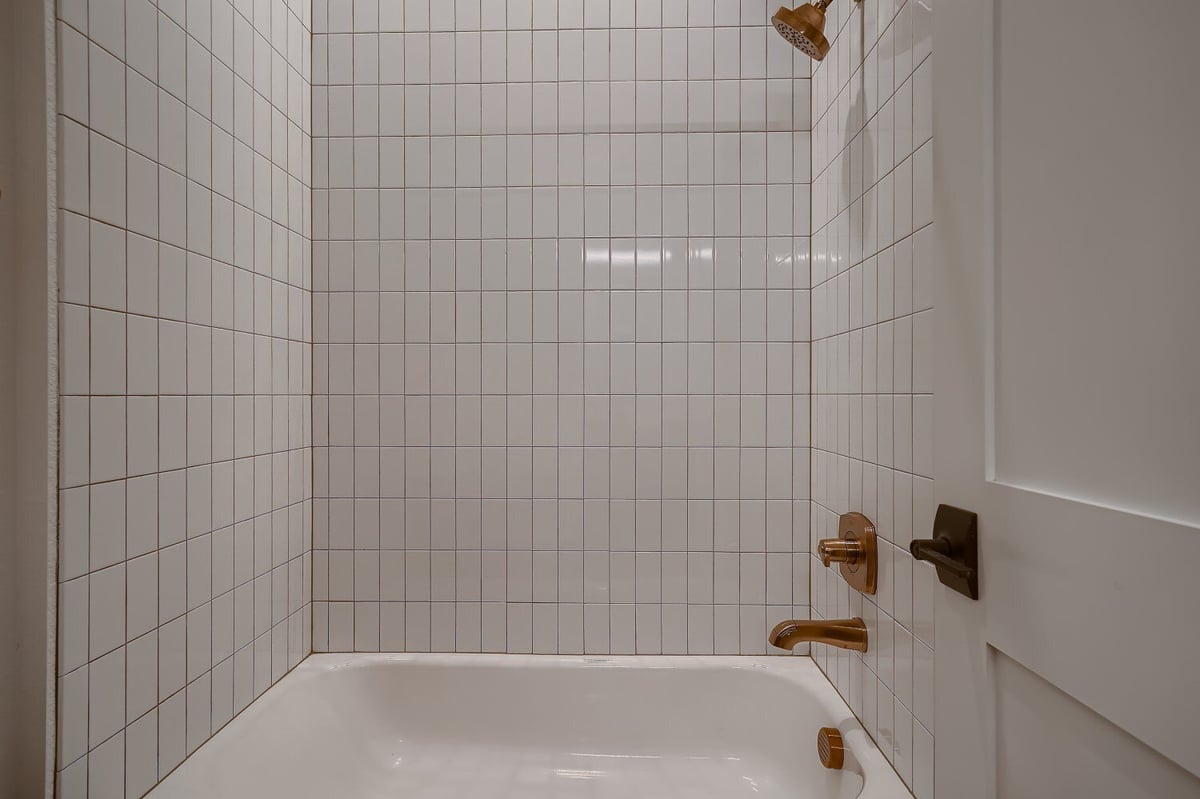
{"type": "Point", "coordinates": [842, 633]}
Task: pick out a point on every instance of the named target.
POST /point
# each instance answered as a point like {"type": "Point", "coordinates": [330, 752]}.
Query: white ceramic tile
{"type": "Point", "coordinates": [141, 755]}
{"type": "Point", "coordinates": [144, 251]}
{"type": "Point", "coordinates": [106, 76]}
{"type": "Point", "coordinates": [106, 610]}
{"type": "Point", "coordinates": [872, 406]}
{"type": "Point", "coordinates": [171, 732]}
{"type": "Point", "coordinates": [106, 768]}
{"type": "Point", "coordinates": [72, 719]}
{"type": "Point", "coordinates": [73, 72]}
{"type": "Point", "coordinates": [141, 679]}
{"type": "Point", "coordinates": [73, 625]}
{"type": "Point", "coordinates": [107, 524]}
{"type": "Point", "coordinates": [106, 693]}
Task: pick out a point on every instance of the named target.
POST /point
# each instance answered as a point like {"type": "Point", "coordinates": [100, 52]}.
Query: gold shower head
{"type": "Point", "coordinates": [804, 28]}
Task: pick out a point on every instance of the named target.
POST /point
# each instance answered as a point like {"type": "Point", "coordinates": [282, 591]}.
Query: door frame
{"type": "Point", "coordinates": [28, 393]}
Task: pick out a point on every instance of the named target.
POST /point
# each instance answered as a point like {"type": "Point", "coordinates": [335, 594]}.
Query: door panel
{"type": "Point", "coordinates": [1066, 390]}
{"type": "Point", "coordinates": [1096, 171]}
{"type": "Point", "coordinates": [1076, 597]}
{"type": "Point", "coordinates": [1047, 744]}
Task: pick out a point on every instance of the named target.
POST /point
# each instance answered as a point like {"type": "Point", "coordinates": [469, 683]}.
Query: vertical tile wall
{"type": "Point", "coordinates": [185, 487]}
{"type": "Point", "coordinates": [872, 400]}
{"type": "Point", "coordinates": [561, 317]}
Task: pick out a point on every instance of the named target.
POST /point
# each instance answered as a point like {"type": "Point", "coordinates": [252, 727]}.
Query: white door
{"type": "Point", "coordinates": [1067, 401]}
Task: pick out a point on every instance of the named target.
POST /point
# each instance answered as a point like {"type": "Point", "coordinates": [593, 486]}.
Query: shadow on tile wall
{"type": "Point", "coordinates": [872, 377]}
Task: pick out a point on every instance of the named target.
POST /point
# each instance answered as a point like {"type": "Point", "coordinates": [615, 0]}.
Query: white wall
{"type": "Point", "coordinates": [872, 371]}
{"type": "Point", "coordinates": [561, 371]}
{"type": "Point", "coordinates": [8, 373]}
{"type": "Point", "coordinates": [26, 386]}
{"type": "Point", "coordinates": [185, 375]}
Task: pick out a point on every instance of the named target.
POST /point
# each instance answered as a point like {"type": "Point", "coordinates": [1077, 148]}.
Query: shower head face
{"type": "Point", "coordinates": [804, 28]}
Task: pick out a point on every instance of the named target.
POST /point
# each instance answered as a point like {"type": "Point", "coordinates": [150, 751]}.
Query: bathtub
{"type": "Point", "coordinates": [529, 726]}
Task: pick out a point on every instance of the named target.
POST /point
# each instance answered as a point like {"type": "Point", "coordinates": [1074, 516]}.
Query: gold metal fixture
{"type": "Point", "coordinates": [804, 27]}
{"type": "Point", "coordinates": [835, 550]}
{"type": "Point", "coordinates": [855, 550]}
{"type": "Point", "coordinates": [830, 748]}
{"type": "Point", "coordinates": [842, 633]}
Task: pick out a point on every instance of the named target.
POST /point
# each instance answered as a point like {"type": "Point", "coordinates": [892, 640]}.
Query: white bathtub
{"type": "Point", "coordinates": [534, 727]}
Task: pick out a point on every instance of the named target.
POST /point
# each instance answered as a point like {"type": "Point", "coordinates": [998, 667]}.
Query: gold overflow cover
{"type": "Point", "coordinates": [830, 748]}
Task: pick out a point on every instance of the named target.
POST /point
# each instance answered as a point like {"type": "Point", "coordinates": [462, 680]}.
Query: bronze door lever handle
{"type": "Point", "coordinates": [938, 552]}
{"type": "Point", "coordinates": [953, 550]}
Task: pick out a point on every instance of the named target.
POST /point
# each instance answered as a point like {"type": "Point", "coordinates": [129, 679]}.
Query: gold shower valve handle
{"type": "Point", "coordinates": [854, 550]}
{"type": "Point", "coordinates": [838, 550]}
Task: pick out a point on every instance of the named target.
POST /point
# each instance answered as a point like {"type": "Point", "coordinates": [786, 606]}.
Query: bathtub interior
{"type": "Point", "coordinates": [599, 707]}
{"type": "Point", "coordinates": [376, 726]}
